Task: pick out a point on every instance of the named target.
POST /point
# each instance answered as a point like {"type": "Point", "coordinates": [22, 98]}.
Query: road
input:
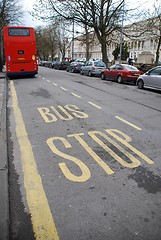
{"type": "Point", "coordinates": [84, 158]}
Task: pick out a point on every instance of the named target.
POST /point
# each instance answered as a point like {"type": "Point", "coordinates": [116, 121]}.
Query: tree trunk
{"type": "Point", "coordinates": [102, 40]}
{"type": "Point", "coordinates": [87, 43]}
{"type": "Point", "coordinates": [158, 51]}
{"type": "Point", "coordinates": [1, 55]}
{"type": "Point", "coordinates": [1, 64]}
{"type": "Point", "coordinates": [104, 53]}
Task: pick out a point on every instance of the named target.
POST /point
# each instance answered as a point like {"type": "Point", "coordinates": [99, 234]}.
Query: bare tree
{"type": "Point", "coordinates": [154, 28]}
{"type": "Point", "coordinates": [63, 36]}
{"type": "Point", "coordinates": [44, 44]}
{"type": "Point", "coordinates": [52, 40]}
{"type": "Point", "coordinates": [104, 16]}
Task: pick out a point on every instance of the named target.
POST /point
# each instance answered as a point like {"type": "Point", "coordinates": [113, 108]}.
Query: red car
{"type": "Point", "coordinates": [121, 73]}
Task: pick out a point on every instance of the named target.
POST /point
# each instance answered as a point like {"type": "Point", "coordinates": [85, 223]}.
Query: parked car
{"type": "Point", "coordinates": [93, 68]}
{"type": "Point", "coordinates": [47, 63]}
{"type": "Point", "coordinates": [121, 73]}
{"type": "Point", "coordinates": [61, 65]}
{"type": "Point", "coordinates": [75, 67]}
{"type": "Point", "coordinates": [150, 79]}
{"type": "Point", "coordinates": [52, 64]}
{"type": "Point", "coordinates": [42, 63]}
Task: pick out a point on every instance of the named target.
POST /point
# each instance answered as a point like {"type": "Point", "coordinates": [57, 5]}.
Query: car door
{"type": "Point", "coordinates": [158, 78]}
{"type": "Point", "coordinates": [118, 71]}
{"type": "Point", "coordinates": [153, 78]}
{"type": "Point", "coordinates": [87, 67]}
{"type": "Point", "coordinates": [111, 73]}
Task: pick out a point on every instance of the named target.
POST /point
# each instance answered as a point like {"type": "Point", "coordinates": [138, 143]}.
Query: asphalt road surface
{"type": "Point", "coordinates": [84, 158]}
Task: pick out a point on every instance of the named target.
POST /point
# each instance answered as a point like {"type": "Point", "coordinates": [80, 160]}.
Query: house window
{"type": "Point", "coordinates": [142, 44]}
{"type": "Point", "coordinates": [151, 43]}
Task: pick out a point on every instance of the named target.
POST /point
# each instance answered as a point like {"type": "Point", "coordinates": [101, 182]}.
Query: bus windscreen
{"type": "Point", "coordinates": [18, 32]}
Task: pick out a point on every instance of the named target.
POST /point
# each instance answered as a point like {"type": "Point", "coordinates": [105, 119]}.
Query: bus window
{"type": "Point", "coordinates": [18, 32]}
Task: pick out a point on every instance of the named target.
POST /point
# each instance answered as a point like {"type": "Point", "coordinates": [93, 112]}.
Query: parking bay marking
{"type": "Point", "coordinates": [93, 104]}
{"type": "Point", "coordinates": [127, 122]}
{"type": "Point", "coordinates": [63, 88]}
{"type": "Point", "coordinates": [76, 95]}
{"type": "Point", "coordinates": [41, 217]}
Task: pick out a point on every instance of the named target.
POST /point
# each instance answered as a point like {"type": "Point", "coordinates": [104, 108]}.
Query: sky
{"type": "Point", "coordinates": [30, 21]}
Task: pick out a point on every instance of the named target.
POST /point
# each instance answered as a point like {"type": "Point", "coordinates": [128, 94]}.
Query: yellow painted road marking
{"type": "Point", "coordinates": [77, 136]}
{"type": "Point", "coordinates": [55, 84]}
{"type": "Point", "coordinates": [42, 220]}
{"type": "Point", "coordinates": [66, 171]}
{"type": "Point", "coordinates": [63, 88]}
{"type": "Point", "coordinates": [93, 104]}
{"type": "Point", "coordinates": [130, 124]}
{"type": "Point", "coordinates": [76, 95]}
{"type": "Point", "coordinates": [125, 143]}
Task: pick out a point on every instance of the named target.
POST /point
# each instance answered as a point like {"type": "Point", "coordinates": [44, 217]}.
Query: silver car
{"type": "Point", "coordinates": [150, 79]}
{"type": "Point", "coordinates": [93, 68]}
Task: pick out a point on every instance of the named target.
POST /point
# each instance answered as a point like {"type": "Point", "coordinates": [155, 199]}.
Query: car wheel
{"type": "Point", "coordinates": [140, 84]}
{"type": "Point", "coordinates": [89, 74]}
{"type": "Point", "coordinates": [102, 76]}
{"type": "Point", "coordinates": [119, 79]}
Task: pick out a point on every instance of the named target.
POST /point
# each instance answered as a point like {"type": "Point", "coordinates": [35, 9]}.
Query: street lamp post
{"type": "Point", "coordinates": [73, 40]}
{"type": "Point", "coordinates": [121, 34]}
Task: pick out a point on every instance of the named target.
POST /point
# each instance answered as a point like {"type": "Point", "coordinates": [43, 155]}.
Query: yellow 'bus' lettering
{"type": "Point", "coordinates": [47, 115]}
{"type": "Point", "coordinates": [69, 117]}
{"type": "Point", "coordinates": [74, 109]}
{"type": "Point", "coordinates": [50, 117]}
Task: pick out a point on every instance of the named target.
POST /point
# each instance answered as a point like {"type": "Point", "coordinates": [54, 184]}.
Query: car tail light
{"type": "Point", "coordinates": [93, 68]}
{"type": "Point", "coordinates": [134, 73]}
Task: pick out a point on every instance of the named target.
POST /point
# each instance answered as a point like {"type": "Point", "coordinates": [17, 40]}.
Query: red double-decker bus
{"type": "Point", "coordinates": [20, 51]}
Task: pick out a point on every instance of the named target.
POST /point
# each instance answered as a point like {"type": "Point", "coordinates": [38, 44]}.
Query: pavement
{"type": "Point", "coordinates": [4, 194]}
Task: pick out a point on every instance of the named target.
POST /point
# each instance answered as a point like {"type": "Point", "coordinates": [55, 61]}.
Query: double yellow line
{"type": "Point", "coordinates": [41, 217]}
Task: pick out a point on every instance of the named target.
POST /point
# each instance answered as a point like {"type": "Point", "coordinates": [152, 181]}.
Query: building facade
{"type": "Point", "coordinates": [142, 43]}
